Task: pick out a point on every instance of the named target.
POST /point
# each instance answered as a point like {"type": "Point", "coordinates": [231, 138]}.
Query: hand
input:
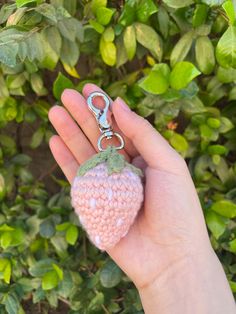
{"type": "Point", "coordinates": [168, 241]}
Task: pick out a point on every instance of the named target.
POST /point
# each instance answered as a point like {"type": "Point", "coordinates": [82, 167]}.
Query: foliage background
{"type": "Point", "coordinates": [174, 62]}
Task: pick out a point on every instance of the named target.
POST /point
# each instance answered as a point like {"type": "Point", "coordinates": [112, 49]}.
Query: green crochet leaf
{"type": "Point", "coordinates": [115, 162]}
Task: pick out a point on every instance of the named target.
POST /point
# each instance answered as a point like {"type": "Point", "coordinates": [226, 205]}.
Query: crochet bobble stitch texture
{"type": "Point", "coordinates": [107, 204]}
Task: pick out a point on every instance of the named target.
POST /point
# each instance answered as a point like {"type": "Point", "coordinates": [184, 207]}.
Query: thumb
{"type": "Point", "coordinates": [154, 149]}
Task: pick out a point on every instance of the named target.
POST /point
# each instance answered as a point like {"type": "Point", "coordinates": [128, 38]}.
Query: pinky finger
{"type": "Point", "coordinates": [63, 157]}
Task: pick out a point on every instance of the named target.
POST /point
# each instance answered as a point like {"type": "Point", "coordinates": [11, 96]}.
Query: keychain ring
{"type": "Point", "coordinates": [104, 136]}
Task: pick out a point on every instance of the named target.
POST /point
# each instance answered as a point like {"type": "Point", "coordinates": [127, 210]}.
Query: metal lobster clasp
{"type": "Point", "coordinates": [101, 116]}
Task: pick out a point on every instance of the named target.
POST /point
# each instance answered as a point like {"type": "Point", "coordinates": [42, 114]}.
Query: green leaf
{"type": "Point", "coordinates": [226, 125]}
{"type": "Point", "coordinates": [10, 109]}
{"type": "Point", "coordinates": [213, 2]}
{"type": "Point", "coordinates": [66, 285]}
{"type": "Point", "coordinates": [50, 57]}
{"type": "Point", "coordinates": [189, 92]}
{"type": "Point", "coordinates": [232, 286]}
{"type": "Point", "coordinates": [52, 298]}
{"type": "Point", "coordinates": [179, 142]}
{"type": "Point", "coordinates": [182, 48]}
{"type": "Point", "coordinates": [17, 237]}
{"type": "Point", "coordinates": [60, 84]}
{"type": "Point", "coordinates": [2, 195]}
{"type": "Point", "coordinates": [217, 150]}
{"type": "Point", "coordinates": [128, 14]}
{"type": "Point", "coordinates": [37, 84]}
{"type": "Point", "coordinates": [232, 246]}
{"type": "Point", "coordinates": [144, 9]}
{"type": "Point", "coordinates": [225, 208]}
{"type": "Point", "coordinates": [48, 11]}
{"type": "Point", "coordinates": [226, 48]}
{"type": "Point", "coordinates": [207, 133]}
{"type": "Point", "coordinates": [50, 280]}
{"type": "Point", "coordinates": [42, 108]}
{"type": "Point", "coordinates": [110, 275]}
{"type": "Point", "coordinates": [69, 52]}
{"type": "Point", "coordinates": [178, 3]}
{"type": "Point", "coordinates": [200, 15]}
{"type": "Point", "coordinates": [63, 226]}
{"type": "Point", "coordinates": [21, 3]}
{"type": "Point", "coordinates": [5, 270]}
{"type": "Point", "coordinates": [97, 26]}
{"type": "Point", "coordinates": [232, 94]}
{"type": "Point", "coordinates": [148, 38]}
{"type": "Point", "coordinates": [96, 4]}
{"type": "Point", "coordinates": [58, 271]}
{"type": "Point", "coordinates": [37, 47]}
{"type": "Point", "coordinates": [5, 227]}
{"type": "Point", "coordinates": [205, 55]}
{"type": "Point", "coordinates": [109, 34]}
{"type": "Point", "coordinates": [8, 53]}
{"type": "Point", "coordinates": [96, 302]}
{"type": "Point", "coordinates": [37, 138]}
{"type": "Point", "coordinates": [16, 81]}
{"type": "Point", "coordinates": [182, 74]}
{"type": "Point", "coordinates": [226, 75]}
{"type": "Point", "coordinates": [40, 268]}
{"type": "Point", "coordinates": [157, 81]}
{"type": "Point", "coordinates": [12, 303]}
{"type": "Point", "coordinates": [69, 28]}
{"type": "Point", "coordinates": [72, 234]}
{"type": "Point", "coordinates": [47, 228]}
{"type": "Point", "coordinates": [6, 239]}
{"type": "Point", "coordinates": [228, 6]}
{"type": "Point", "coordinates": [60, 245]}
{"type": "Point", "coordinates": [8, 144]}
{"type": "Point", "coordinates": [108, 52]}
{"type": "Point", "coordinates": [213, 123]}
{"type": "Point", "coordinates": [216, 223]}
{"type": "Point", "coordinates": [129, 38]}
{"type": "Point", "coordinates": [122, 57]}
{"type": "Point", "coordinates": [53, 37]}
{"type": "Point", "coordinates": [3, 264]}
{"type": "Point", "coordinates": [38, 295]}
{"type": "Point", "coordinates": [163, 21]}
{"type": "Point", "coordinates": [104, 15]}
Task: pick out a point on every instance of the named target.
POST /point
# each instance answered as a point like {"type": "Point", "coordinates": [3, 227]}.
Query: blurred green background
{"type": "Point", "coordinates": [174, 62]}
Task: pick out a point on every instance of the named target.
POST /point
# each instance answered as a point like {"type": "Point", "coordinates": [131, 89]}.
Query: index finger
{"type": "Point", "coordinates": [129, 147]}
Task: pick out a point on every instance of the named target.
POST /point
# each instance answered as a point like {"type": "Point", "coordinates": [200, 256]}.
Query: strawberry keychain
{"type": "Point", "coordinates": [107, 191]}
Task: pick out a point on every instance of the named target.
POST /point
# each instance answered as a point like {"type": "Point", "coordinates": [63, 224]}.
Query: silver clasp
{"type": "Point", "coordinates": [101, 117]}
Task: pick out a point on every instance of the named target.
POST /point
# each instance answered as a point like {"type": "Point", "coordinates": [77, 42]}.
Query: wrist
{"type": "Point", "coordinates": [194, 284]}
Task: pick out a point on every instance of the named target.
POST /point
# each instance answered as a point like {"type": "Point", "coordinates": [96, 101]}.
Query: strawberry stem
{"type": "Point", "coordinates": [115, 162]}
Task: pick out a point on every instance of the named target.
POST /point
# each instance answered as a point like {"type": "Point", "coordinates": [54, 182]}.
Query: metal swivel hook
{"type": "Point", "coordinates": [101, 117]}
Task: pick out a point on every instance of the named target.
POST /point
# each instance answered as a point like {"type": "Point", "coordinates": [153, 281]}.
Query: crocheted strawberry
{"type": "Point", "coordinates": [107, 194]}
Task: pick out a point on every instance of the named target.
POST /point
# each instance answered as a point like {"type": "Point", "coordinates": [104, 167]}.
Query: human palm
{"type": "Point", "coordinates": [170, 226]}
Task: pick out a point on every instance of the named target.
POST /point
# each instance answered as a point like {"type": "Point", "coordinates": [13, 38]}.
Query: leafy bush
{"type": "Point", "coordinates": [174, 62]}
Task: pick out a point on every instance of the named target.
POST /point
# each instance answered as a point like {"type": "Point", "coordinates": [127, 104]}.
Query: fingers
{"type": "Point", "coordinates": [154, 149]}
{"type": "Point", "coordinates": [90, 88]}
{"type": "Point", "coordinates": [76, 105]}
{"type": "Point", "coordinates": [63, 157]}
{"type": "Point", "coordinates": [71, 134]}
{"type": "Point", "coordinates": [139, 163]}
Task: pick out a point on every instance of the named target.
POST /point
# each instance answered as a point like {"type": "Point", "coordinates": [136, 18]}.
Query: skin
{"type": "Point", "coordinates": [167, 252]}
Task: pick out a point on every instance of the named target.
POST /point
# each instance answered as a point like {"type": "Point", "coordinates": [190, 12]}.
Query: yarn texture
{"type": "Point", "coordinates": [107, 194]}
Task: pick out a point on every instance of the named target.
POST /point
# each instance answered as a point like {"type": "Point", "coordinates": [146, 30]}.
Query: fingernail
{"type": "Point", "coordinates": [122, 104]}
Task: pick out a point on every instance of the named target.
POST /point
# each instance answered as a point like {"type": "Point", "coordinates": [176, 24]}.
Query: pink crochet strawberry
{"type": "Point", "coordinates": [107, 194]}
